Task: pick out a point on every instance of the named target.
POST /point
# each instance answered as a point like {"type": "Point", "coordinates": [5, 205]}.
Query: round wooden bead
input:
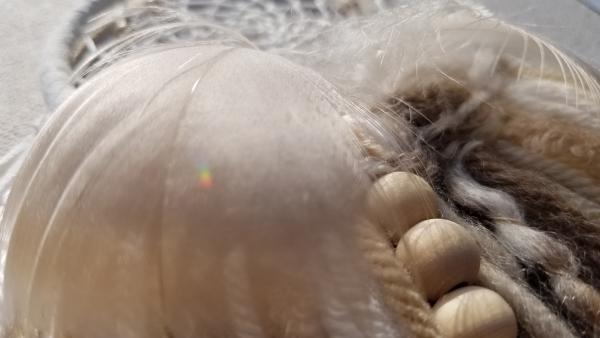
{"type": "Point", "coordinates": [399, 200]}
{"type": "Point", "coordinates": [440, 255]}
{"type": "Point", "coordinates": [474, 312]}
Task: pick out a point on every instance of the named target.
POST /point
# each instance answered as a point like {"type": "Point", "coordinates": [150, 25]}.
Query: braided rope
{"type": "Point", "coordinates": [403, 296]}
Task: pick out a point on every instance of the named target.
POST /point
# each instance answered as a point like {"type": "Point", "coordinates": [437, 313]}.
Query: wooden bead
{"type": "Point", "coordinates": [440, 254]}
{"type": "Point", "coordinates": [474, 312]}
{"type": "Point", "coordinates": [399, 200]}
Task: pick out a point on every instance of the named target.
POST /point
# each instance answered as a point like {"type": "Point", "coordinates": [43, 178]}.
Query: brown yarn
{"type": "Point", "coordinates": [581, 192]}
{"type": "Point", "coordinates": [402, 295]}
{"type": "Point", "coordinates": [556, 138]}
{"type": "Point", "coordinates": [557, 280]}
{"type": "Point", "coordinates": [506, 277]}
{"type": "Point", "coordinates": [542, 208]}
{"type": "Point", "coordinates": [541, 310]}
{"type": "Point", "coordinates": [581, 300]}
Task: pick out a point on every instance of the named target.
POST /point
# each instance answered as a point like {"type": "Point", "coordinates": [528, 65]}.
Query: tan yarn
{"type": "Point", "coordinates": [556, 138]}
{"type": "Point", "coordinates": [402, 295]}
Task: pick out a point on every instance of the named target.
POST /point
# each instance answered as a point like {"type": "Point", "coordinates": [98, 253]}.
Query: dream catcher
{"type": "Point", "coordinates": [305, 168]}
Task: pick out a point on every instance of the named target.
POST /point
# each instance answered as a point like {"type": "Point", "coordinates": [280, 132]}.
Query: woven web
{"type": "Point", "coordinates": [130, 25]}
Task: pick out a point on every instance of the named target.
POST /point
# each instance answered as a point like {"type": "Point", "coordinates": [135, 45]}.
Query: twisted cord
{"type": "Point", "coordinates": [402, 295]}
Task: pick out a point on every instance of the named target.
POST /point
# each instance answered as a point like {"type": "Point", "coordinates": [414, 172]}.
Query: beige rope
{"type": "Point", "coordinates": [401, 293]}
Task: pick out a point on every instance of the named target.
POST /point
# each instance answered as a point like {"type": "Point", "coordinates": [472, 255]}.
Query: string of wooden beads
{"type": "Point", "coordinates": [399, 200]}
{"type": "Point", "coordinates": [441, 256]}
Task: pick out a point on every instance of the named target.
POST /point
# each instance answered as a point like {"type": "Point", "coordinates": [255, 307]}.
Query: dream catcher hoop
{"type": "Point", "coordinates": [104, 31]}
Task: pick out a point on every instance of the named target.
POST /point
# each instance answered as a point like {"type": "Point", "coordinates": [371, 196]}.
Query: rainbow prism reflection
{"type": "Point", "coordinates": [205, 180]}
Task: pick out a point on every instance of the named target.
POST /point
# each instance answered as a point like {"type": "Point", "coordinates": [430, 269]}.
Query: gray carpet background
{"type": "Point", "coordinates": [25, 26]}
